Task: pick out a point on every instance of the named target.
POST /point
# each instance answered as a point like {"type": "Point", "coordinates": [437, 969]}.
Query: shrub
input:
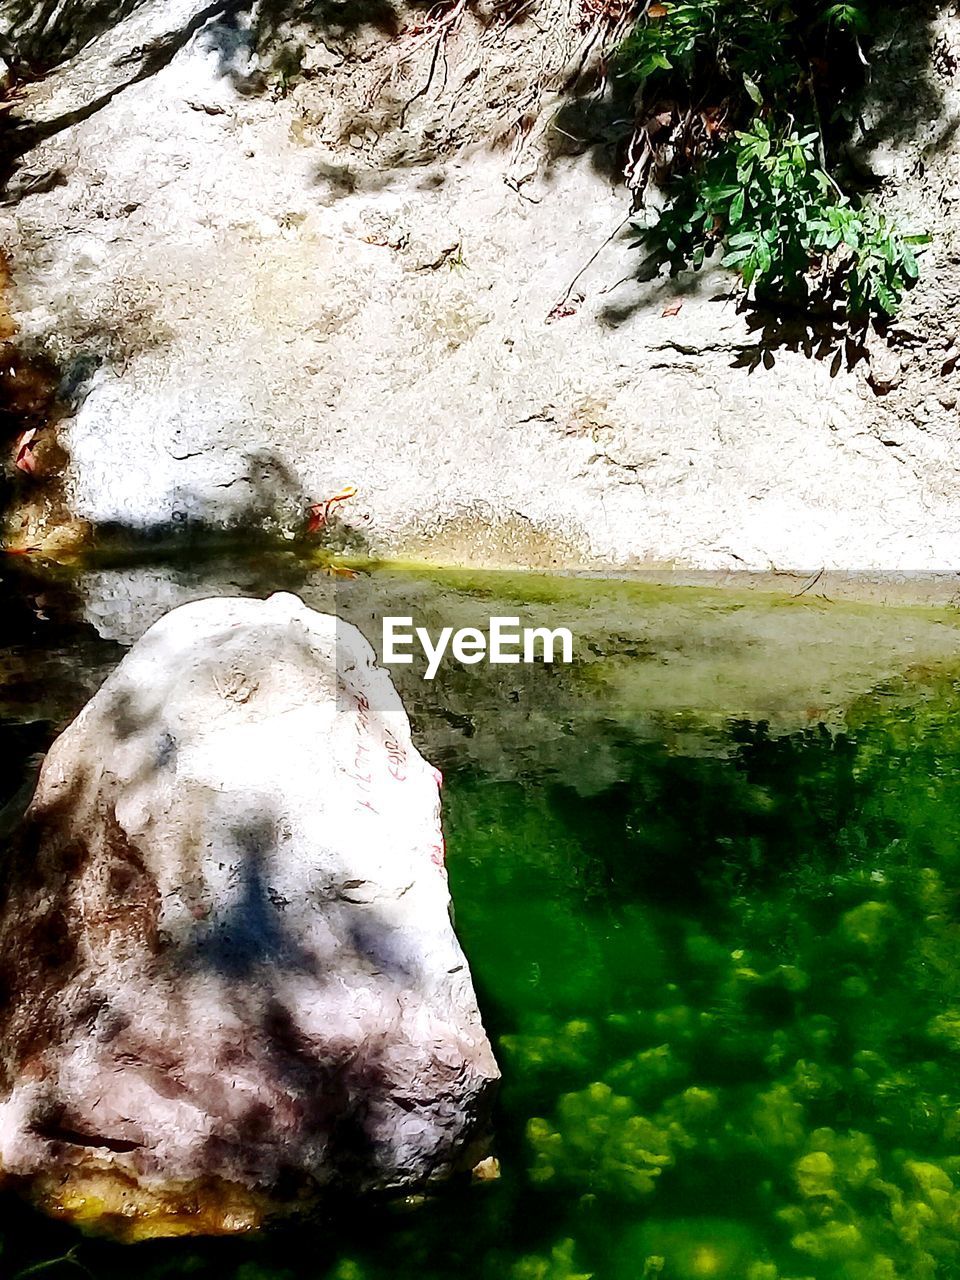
{"type": "Point", "coordinates": [732, 94]}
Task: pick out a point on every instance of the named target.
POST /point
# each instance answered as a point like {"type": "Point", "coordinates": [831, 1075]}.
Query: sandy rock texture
{"type": "Point", "coordinates": [279, 248]}
{"type": "Point", "coordinates": [230, 978]}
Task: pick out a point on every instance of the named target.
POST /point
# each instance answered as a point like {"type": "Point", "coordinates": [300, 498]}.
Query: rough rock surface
{"type": "Point", "coordinates": [275, 253]}
{"type": "Point", "coordinates": [229, 973]}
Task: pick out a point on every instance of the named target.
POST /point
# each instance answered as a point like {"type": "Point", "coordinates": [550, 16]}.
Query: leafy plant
{"type": "Point", "coordinates": [783, 223]}
{"type": "Point", "coordinates": [768, 42]}
{"type": "Point", "coordinates": [734, 93]}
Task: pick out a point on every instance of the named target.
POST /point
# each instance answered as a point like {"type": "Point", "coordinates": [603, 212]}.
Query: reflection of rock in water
{"type": "Point", "coordinates": [651, 660]}
{"type": "Point", "coordinates": [229, 972]}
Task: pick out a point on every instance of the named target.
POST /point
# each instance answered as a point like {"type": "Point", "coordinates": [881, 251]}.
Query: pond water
{"type": "Point", "coordinates": [708, 881]}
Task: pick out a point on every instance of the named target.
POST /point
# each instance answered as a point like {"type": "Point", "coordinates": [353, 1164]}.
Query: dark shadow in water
{"type": "Point", "coordinates": [776, 795]}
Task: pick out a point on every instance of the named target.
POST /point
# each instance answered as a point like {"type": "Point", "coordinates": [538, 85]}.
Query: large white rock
{"type": "Point", "coordinates": [230, 975]}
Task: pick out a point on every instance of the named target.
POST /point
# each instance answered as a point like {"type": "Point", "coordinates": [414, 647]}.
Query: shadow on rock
{"type": "Point", "coordinates": [821, 332]}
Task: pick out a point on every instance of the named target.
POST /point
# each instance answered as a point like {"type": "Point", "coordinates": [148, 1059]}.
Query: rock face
{"type": "Point", "coordinates": [230, 979]}
{"type": "Point", "coordinates": [274, 255]}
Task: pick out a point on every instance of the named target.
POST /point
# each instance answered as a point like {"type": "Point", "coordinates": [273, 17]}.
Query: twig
{"type": "Point", "coordinates": [70, 1258]}
{"type": "Point", "coordinates": [815, 106]}
{"type": "Point", "coordinates": [811, 583]}
{"type": "Point", "coordinates": [426, 87]}
{"type": "Point", "coordinates": [590, 261]}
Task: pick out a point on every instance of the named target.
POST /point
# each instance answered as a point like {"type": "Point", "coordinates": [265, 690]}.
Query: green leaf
{"type": "Point", "coordinates": [753, 90]}
{"type": "Point", "coordinates": [886, 299]}
{"type": "Point", "coordinates": [846, 15]}
{"type": "Point", "coordinates": [736, 257]}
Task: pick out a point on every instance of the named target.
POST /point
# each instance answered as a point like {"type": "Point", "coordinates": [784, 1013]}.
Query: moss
{"type": "Point", "coordinates": [557, 1265]}
{"type": "Point", "coordinates": [545, 1047]}
{"type": "Point", "coordinates": [815, 1174]}
{"type": "Point", "coordinates": [694, 1249]}
{"type": "Point", "coordinates": [600, 1140]}
{"type": "Point", "coordinates": [868, 926]}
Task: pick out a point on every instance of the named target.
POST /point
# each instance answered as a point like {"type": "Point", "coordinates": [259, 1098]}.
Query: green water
{"type": "Point", "coordinates": [719, 959]}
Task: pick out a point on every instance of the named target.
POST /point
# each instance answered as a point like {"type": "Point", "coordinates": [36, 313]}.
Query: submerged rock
{"type": "Point", "coordinates": [230, 980]}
